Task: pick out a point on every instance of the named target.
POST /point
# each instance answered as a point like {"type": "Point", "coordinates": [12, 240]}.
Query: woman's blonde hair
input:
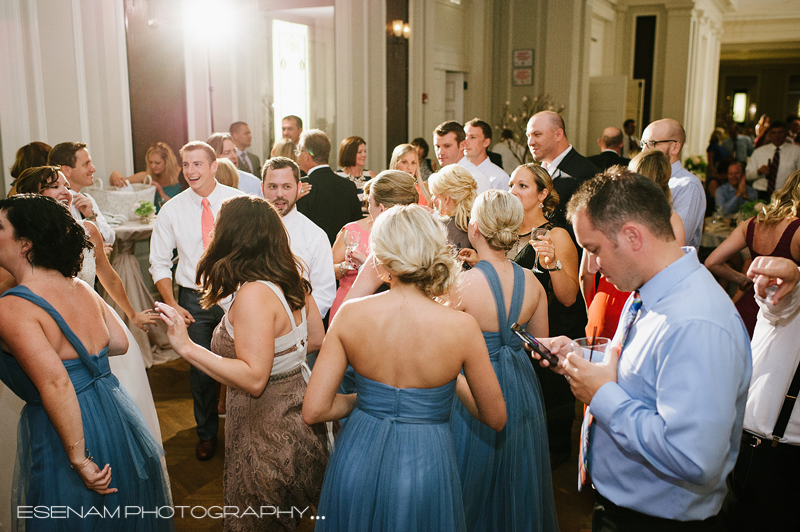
{"type": "Point", "coordinates": [399, 152]}
{"type": "Point", "coordinates": [454, 181]}
{"type": "Point", "coordinates": [783, 203]}
{"type": "Point", "coordinates": [543, 181]}
{"type": "Point", "coordinates": [499, 215]}
{"type": "Point", "coordinates": [171, 170]}
{"type": "Point", "coordinates": [412, 245]}
{"type": "Point", "coordinates": [654, 165]}
{"type": "Point", "coordinates": [283, 148]}
{"type": "Point", "coordinates": [227, 174]}
{"type": "Point", "coordinates": [392, 187]}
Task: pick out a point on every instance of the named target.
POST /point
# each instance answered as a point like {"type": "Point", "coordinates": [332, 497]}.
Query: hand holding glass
{"type": "Point", "coordinates": [352, 239]}
{"type": "Point", "coordinates": [536, 236]}
{"type": "Point", "coordinates": [593, 352]}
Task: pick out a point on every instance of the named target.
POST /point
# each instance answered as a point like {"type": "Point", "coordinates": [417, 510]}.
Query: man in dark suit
{"type": "Point", "coordinates": [611, 144]}
{"type": "Point", "coordinates": [248, 162]}
{"type": "Point", "coordinates": [548, 143]}
{"type": "Point", "coordinates": [333, 200]}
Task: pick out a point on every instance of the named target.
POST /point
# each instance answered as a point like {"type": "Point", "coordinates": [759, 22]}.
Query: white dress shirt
{"type": "Point", "coordinates": [179, 226]}
{"type": "Point", "coordinates": [484, 183]}
{"type": "Point", "coordinates": [776, 353]}
{"type": "Point", "coordinates": [790, 161]}
{"type": "Point", "coordinates": [496, 175]}
{"type": "Point", "coordinates": [250, 184]}
{"type": "Point", "coordinates": [310, 243]}
{"type": "Point", "coordinates": [552, 166]}
{"type": "Point", "coordinates": [106, 231]}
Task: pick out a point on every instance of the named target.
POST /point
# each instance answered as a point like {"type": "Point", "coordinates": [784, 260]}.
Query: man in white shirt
{"type": "Point", "coordinates": [76, 165]}
{"type": "Point", "coordinates": [772, 163]}
{"type": "Point", "coordinates": [309, 242]}
{"type": "Point", "coordinates": [688, 197]}
{"type": "Point", "coordinates": [478, 137]}
{"type": "Point", "coordinates": [448, 142]}
{"type": "Point", "coordinates": [241, 136]}
{"type": "Point", "coordinates": [763, 488]}
{"type": "Point", "coordinates": [180, 225]}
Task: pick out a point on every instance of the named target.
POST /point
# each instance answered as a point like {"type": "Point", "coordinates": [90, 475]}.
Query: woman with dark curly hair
{"type": "Point", "coordinates": [76, 411]}
{"type": "Point", "coordinates": [272, 458]}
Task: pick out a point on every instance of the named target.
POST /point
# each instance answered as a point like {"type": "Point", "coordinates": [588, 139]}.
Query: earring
{"type": "Point", "coordinates": [390, 276]}
{"type": "Point", "coordinates": [541, 205]}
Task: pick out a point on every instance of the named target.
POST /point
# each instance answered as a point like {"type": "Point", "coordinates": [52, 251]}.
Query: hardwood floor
{"type": "Point", "coordinates": [199, 484]}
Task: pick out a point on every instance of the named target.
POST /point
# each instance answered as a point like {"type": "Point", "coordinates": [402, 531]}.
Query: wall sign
{"type": "Point", "coordinates": [523, 58]}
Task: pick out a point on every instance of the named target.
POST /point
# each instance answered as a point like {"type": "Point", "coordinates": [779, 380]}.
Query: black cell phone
{"type": "Point", "coordinates": [535, 344]}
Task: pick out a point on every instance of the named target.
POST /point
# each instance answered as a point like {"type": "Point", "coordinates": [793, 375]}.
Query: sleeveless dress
{"type": "Point", "coordinates": [505, 476]}
{"type": "Point", "coordinates": [747, 306]}
{"type": "Point", "coordinates": [394, 464]}
{"type": "Point", "coordinates": [346, 282]}
{"type": "Point", "coordinates": [115, 433]}
{"type": "Point", "coordinates": [272, 458]}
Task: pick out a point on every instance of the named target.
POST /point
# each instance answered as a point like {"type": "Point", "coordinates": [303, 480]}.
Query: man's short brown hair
{"type": "Point", "coordinates": [451, 126]}
{"type": "Point", "coordinates": [317, 144]}
{"type": "Point", "coordinates": [279, 163]}
{"type": "Point", "coordinates": [200, 145]}
{"type": "Point", "coordinates": [63, 154]}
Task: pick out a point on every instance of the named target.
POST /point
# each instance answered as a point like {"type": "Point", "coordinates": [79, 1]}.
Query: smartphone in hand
{"type": "Point", "coordinates": [535, 344]}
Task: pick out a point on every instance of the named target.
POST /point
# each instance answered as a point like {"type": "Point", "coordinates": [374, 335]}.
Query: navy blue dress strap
{"type": "Point", "coordinates": [517, 294]}
{"type": "Point", "coordinates": [25, 293]}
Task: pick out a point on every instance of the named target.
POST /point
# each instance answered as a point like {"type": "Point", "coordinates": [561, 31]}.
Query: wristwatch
{"type": "Point", "coordinates": [558, 267]}
{"type": "Point", "coordinates": [91, 218]}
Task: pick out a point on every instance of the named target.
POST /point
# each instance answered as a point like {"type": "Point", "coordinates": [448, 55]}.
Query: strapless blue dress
{"type": "Point", "coordinates": [393, 466]}
{"type": "Point", "coordinates": [115, 433]}
{"type": "Point", "coordinates": [505, 476]}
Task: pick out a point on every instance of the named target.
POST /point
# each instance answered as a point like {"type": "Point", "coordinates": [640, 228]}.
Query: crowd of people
{"type": "Point", "coordinates": [370, 330]}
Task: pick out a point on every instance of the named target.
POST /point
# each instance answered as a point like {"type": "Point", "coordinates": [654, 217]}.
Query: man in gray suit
{"type": "Point", "coordinates": [242, 138]}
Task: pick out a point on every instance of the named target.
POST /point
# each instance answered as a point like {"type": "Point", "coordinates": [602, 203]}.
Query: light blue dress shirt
{"type": "Point", "coordinates": [726, 197]}
{"type": "Point", "coordinates": [689, 201]}
{"type": "Point", "coordinates": [250, 184]}
{"type": "Point", "coordinates": [667, 433]}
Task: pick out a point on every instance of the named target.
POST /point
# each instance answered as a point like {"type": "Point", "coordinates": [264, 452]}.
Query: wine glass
{"type": "Point", "coordinates": [352, 239]}
{"type": "Point", "coordinates": [536, 236]}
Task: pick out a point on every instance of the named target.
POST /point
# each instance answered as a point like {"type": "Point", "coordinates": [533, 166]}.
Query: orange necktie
{"type": "Point", "coordinates": [207, 221]}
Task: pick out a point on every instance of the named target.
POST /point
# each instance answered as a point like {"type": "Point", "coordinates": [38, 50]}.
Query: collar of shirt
{"type": "Point", "coordinates": [317, 167]}
{"type": "Point", "coordinates": [212, 198]}
{"type": "Point", "coordinates": [552, 166]}
{"type": "Point", "coordinates": [239, 152]}
{"type": "Point", "coordinates": [291, 218]}
{"type": "Point", "coordinates": [679, 171]}
{"type": "Point", "coordinates": [663, 282]}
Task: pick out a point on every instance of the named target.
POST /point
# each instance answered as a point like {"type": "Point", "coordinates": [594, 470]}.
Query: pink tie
{"type": "Point", "coordinates": [207, 221]}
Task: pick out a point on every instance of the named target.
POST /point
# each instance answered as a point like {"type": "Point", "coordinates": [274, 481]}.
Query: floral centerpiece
{"type": "Point", "coordinates": [144, 209]}
{"type": "Point", "coordinates": [517, 121]}
{"type": "Point", "coordinates": [697, 165]}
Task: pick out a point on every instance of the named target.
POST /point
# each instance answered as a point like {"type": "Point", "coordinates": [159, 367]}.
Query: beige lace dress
{"type": "Point", "coordinates": [272, 458]}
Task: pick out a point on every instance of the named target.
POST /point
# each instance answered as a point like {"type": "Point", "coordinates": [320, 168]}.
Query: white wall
{"type": "Point", "coordinates": [65, 78]}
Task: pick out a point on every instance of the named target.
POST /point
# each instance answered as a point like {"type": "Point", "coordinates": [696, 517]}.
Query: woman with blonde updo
{"type": "Point", "coordinates": [404, 158]}
{"type": "Point", "coordinates": [389, 188]}
{"type": "Point", "coordinates": [655, 166]}
{"type": "Point", "coordinates": [773, 232]}
{"type": "Point", "coordinates": [498, 469]}
{"type": "Point", "coordinates": [393, 467]}
{"type": "Point", "coordinates": [227, 174]}
{"type": "Point", "coordinates": [453, 191]}
{"type": "Point", "coordinates": [559, 268]}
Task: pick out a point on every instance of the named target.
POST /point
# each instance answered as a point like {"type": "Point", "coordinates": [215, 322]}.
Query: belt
{"type": "Point", "coordinates": [754, 441]}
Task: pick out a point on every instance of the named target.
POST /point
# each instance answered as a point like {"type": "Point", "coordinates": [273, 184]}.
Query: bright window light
{"type": "Point", "coordinates": [208, 21]}
{"type": "Point", "coordinates": [290, 72]}
{"type": "Point", "coordinates": [739, 106]}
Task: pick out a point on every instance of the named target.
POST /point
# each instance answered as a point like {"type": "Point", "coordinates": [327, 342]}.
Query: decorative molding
{"type": "Point", "coordinates": [36, 69]}
{"type": "Point", "coordinates": [80, 72]}
{"type": "Point", "coordinates": [124, 89]}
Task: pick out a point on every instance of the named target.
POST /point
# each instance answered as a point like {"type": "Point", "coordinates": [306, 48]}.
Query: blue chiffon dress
{"type": "Point", "coordinates": [393, 466]}
{"type": "Point", "coordinates": [505, 476]}
{"type": "Point", "coordinates": [115, 433]}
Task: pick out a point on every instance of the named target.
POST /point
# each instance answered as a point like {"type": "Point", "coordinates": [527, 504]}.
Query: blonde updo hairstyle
{"type": "Point", "coordinates": [412, 246]}
{"type": "Point", "coordinates": [784, 202]}
{"type": "Point", "coordinates": [499, 215]}
{"type": "Point", "coordinates": [392, 187]}
{"type": "Point", "coordinates": [454, 181]}
{"type": "Point", "coordinates": [654, 165]}
{"type": "Point", "coordinates": [543, 181]}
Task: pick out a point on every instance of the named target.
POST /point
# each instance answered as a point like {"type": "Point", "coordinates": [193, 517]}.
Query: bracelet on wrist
{"type": "Point", "coordinates": [86, 461]}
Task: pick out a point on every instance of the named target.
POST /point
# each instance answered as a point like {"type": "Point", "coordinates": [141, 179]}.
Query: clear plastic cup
{"type": "Point", "coordinates": [596, 353]}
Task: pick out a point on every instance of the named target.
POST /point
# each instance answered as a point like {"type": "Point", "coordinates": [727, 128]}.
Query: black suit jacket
{"type": "Point", "coordinates": [496, 158]}
{"type": "Point", "coordinates": [573, 170]}
{"type": "Point", "coordinates": [256, 165]}
{"type": "Point", "coordinates": [607, 159]}
{"type": "Point", "coordinates": [332, 203]}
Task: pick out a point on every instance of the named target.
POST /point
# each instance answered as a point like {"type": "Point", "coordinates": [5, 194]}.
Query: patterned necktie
{"type": "Point", "coordinates": [773, 170]}
{"type": "Point", "coordinates": [586, 428]}
{"type": "Point", "coordinates": [207, 222]}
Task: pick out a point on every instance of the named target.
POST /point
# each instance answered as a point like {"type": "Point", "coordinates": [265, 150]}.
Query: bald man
{"type": "Point", "coordinates": [547, 140]}
{"type": "Point", "coordinates": [611, 145]}
{"type": "Point", "coordinates": [688, 198]}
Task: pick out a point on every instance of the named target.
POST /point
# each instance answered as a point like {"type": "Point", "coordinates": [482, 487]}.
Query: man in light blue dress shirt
{"type": "Point", "coordinates": [735, 193]}
{"type": "Point", "coordinates": [668, 411]}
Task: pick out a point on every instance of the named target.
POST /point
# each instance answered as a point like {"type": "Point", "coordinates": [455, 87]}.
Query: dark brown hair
{"type": "Point", "coordinates": [30, 156]}
{"type": "Point", "coordinates": [250, 243]}
{"type": "Point", "coordinates": [63, 154]}
{"type": "Point", "coordinates": [348, 151]}
{"type": "Point", "coordinates": [34, 180]}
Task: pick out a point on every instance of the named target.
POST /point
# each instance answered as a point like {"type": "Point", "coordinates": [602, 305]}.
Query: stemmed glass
{"type": "Point", "coordinates": [536, 236]}
{"type": "Point", "coordinates": [352, 239]}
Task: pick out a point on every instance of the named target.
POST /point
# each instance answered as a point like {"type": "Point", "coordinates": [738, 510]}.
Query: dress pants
{"type": "Point", "coordinates": [204, 388]}
{"type": "Point", "coordinates": [764, 487]}
{"type": "Point", "coordinates": [608, 517]}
